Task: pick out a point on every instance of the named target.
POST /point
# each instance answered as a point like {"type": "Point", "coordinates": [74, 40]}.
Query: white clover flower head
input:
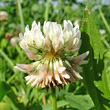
{"type": "Point", "coordinates": [53, 51]}
{"type": "Point", "coordinates": [3, 15]}
{"type": "Point", "coordinates": [14, 41]}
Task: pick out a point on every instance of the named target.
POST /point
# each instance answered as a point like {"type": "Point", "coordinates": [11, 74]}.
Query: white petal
{"type": "Point", "coordinates": [39, 25]}
{"type": "Point", "coordinates": [21, 36]}
{"type": "Point", "coordinates": [39, 39]}
{"type": "Point", "coordinates": [76, 28]}
{"type": "Point", "coordinates": [68, 25]}
{"type": "Point", "coordinates": [46, 27]}
{"type": "Point", "coordinates": [77, 34]}
{"type": "Point", "coordinates": [27, 28]}
{"type": "Point", "coordinates": [34, 25]}
{"type": "Point", "coordinates": [23, 44]}
{"type": "Point", "coordinates": [28, 37]}
{"type": "Point", "coordinates": [60, 62]}
{"type": "Point", "coordinates": [78, 44]}
{"type": "Point", "coordinates": [75, 41]}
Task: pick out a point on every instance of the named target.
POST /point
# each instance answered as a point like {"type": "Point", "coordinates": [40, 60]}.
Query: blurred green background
{"type": "Point", "coordinates": [14, 16]}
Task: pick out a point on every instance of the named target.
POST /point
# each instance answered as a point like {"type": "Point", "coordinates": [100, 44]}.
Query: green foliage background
{"type": "Point", "coordinates": [91, 93]}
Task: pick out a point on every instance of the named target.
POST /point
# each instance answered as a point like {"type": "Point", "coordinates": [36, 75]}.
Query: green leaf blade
{"type": "Point", "coordinates": [80, 102]}
{"type": "Point", "coordinates": [92, 71]}
{"type": "Point", "coordinates": [4, 89]}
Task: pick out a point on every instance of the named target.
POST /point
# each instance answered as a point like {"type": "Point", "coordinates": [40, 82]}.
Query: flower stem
{"type": "Point", "coordinates": [21, 15]}
{"type": "Point", "coordinates": [104, 20]}
{"type": "Point", "coordinates": [7, 58]}
{"type": "Point", "coordinates": [11, 64]}
{"type": "Point", "coordinates": [47, 10]}
{"type": "Point", "coordinates": [54, 102]}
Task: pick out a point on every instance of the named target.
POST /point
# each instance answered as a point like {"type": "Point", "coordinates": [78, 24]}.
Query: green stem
{"type": "Point", "coordinates": [21, 15]}
{"type": "Point", "coordinates": [10, 64]}
{"type": "Point", "coordinates": [7, 59]}
{"type": "Point", "coordinates": [104, 20]}
{"type": "Point", "coordinates": [54, 102]}
{"type": "Point", "coordinates": [12, 77]}
{"type": "Point", "coordinates": [106, 43]}
{"type": "Point", "coordinates": [47, 10]}
{"type": "Point", "coordinates": [19, 51]}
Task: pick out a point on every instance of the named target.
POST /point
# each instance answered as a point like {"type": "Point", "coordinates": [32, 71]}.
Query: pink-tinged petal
{"type": "Point", "coordinates": [24, 67]}
{"type": "Point", "coordinates": [74, 50]}
{"type": "Point", "coordinates": [76, 75]}
{"type": "Point", "coordinates": [49, 77]}
{"type": "Point", "coordinates": [37, 80]}
{"type": "Point", "coordinates": [61, 69]}
{"type": "Point", "coordinates": [65, 75]}
{"type": "Point", "coordinates": [30, 55]}
{"type": "Point", "coordinates": [57, 78]}
{"type": "Point", "coordinates": [82, 56]}
{"type": "Point", "coordinates": [83, 62]}
{"type": "Point", "coordinates": [32, 78]}
{"type": "Point", "coordinates": [27, 77]}
{"type": "Point", "coordinates": [42, 68]}
{"type": "Point", "coordinates": [79, 69]}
